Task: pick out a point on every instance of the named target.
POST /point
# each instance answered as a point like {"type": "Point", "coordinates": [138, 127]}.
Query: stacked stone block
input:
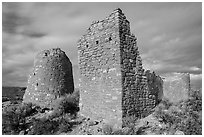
{"type": "Point", "coordinates": [50, 78]}
{"type": "Point", "coordinates": [176, 86]}
{"type": "Point", "coordinates": [113, 83]}
{"type": "Point", "coordinates": [100, 77]}
{"type": "Point", "coordinates": [140, 88]}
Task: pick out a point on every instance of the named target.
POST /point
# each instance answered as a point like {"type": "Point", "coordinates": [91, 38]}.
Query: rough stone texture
{"type": "Point", "coordinates": [155, 84]}
{"type": "Point", "coordinates": [176, 86]}
{"type": "Point", "coordinates": [51, 78]}
{"type": "Point", "coordinates": [113, 83]}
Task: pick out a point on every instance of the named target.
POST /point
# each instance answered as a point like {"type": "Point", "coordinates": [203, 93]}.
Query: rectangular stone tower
{"type": "Point", "coordinates": [112, 83]}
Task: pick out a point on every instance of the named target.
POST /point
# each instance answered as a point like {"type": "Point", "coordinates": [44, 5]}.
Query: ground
{"type": "Point", "coordinates": [184, 117]}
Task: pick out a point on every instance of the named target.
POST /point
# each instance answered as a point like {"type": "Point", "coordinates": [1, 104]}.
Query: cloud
{"type": "Point", "coordinates": [34, 34]}
{"type": "Point", "coordinates": [175, 43]}
{"type": "Point", "coordinates": [169, 35]}
{"type": "Point", "coordinates": [158, 38]}
{"type": "Point", "coordinates": [15, 69]}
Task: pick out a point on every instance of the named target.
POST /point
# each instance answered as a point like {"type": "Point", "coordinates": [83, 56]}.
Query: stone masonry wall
{"type": "Point", "coordinates": [100, 72]}
{"type": "Point", "coordinates": [139, 88]}
{"type": "Point", "coordinates": [155, 84]}
{"type": "Point", "coordinates": [113, 83]}
{"type": "Point", "coordinates": [176, 86]}
{"type": "Point", "coordinates": [50, 78]}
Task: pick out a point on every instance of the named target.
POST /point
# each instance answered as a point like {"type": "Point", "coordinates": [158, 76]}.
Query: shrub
{"type": "Point", "coordinates": [50, 126]}
{"type": "Point", "coordinates": [130, 127]}
{"type": "Point", "coordinates": [66, 104]}
{"type": "Point", "coordinates": [64, 125]}
{"type": "Point", "coordinates": [129, 121]}
{"type": "Point", "coordinates": [107, 129]}
{"type": "Point", "coordinates": [184, 116]}
{"type": "Point", "coordinates": [41, 127]}
{"type": "Point", "coordinates": [118, 132]}
{"type": "Point", "coordinates": [25, 109]}
{"type": "Point", "coordinates": [132, 123]}
{"type": "Point", "coordinates": [192, 108]}
{"type": "Point", "coordinates": [166, 103]}
{"type": "Point", "coordinates": [191, 126]}
{"type": "Point", "coordinates": [13, 118]}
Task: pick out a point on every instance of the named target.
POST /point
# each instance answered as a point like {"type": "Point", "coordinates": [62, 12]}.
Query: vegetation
{"type": "Point", "coordinates": [66, 104]}
{"type": "Point", "coordinates": [50, 126]}
{"type": "Point", "coordinates": [185, 116]}
{"type": "Point", "coordinates": [15, 117]}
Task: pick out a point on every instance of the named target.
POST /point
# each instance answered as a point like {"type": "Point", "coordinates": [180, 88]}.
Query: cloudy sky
{"type": "Point", "coordinates": [169, 35]}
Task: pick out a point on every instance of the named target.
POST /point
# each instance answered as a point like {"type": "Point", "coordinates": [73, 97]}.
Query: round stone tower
{"type": "Point", "coordinates": [50, 78]}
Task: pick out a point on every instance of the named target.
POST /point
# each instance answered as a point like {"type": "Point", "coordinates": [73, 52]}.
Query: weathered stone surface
{"type": "Point", "coordinates": [50, 78]}
{"type": "Point", "coordinates": [178, 132]}
{"type": "Point", "coordinates": [113, 83]}
{"type": "Point", "coordinates": [176, 86]}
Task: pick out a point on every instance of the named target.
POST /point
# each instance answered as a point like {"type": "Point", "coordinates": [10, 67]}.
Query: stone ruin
{"type": "Point", "coordinates": [50, 78]}
{"type": "Point", "coordinates": [176, 86]}
{"type": "Point", "coordinates": [113, 84]}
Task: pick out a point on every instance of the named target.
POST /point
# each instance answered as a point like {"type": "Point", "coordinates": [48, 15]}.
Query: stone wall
{"type": "Point", "coordinates": [113, 83]}
{"type": "Point", "coordinates": [100, 71]}
{"type": "Point", "coordinates": [176, 86]}
{"type": "Point", "coordinates": [50, 78]}
{"type": "Point", "coordinates": [155, 84]}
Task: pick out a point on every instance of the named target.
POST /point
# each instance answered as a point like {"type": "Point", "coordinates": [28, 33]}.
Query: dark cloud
{"type": "Point", "coordinates": [190, 56]}
{"type": "Point", "coordinates": [169, 34]}
{"type": "Point", "coordinates": [11, 19]}
{"type": "Point", "coordinates": [10, 22]}
{"type": "Point", "coordinates": [34, 34]}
